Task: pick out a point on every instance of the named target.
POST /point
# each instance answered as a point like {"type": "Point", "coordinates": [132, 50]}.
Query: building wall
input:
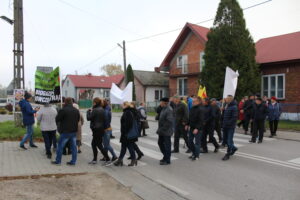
{"type": "Point", "coordinates": [68, 89]}
{"type": "Point", "coordinates": [150, 93]}
{"type": "Point", "coordinates": [139, 90]}
{"type": "Point", "coordinates": [191, 47]}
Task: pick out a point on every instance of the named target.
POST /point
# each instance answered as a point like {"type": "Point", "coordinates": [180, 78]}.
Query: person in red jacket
{"type": "Point", "coordinates": [241, 113]}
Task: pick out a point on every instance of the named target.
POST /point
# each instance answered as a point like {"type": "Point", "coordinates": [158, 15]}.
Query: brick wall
{"type": "Point", "coordinates": [192, 48]}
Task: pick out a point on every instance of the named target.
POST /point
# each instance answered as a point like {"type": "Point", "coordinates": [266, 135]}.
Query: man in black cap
{"type": "Point", "coordinates": [260, 113]}
{"type": "Point", "coordinates": [165, 131]}
{"type": "Point", "coordinates": [28, 120]}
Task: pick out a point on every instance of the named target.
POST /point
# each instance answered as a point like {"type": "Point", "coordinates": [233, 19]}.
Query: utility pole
{"type": "Point", "coordinates": [19, 82]}
{"type": "Point", "coordinates": [124, 59]}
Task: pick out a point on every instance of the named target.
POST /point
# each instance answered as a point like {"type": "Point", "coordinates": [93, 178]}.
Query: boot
{"type": "Point", "coordinates": [133, 163]}
{"type": "Point", "coordinates": [226, 157]}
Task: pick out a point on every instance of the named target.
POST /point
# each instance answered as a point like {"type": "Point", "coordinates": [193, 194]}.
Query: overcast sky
{"type": "Point", "coordinates": [82, 35]}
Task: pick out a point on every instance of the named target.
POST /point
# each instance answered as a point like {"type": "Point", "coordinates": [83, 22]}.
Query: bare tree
{"type": "Point", "coordinates": [112, 69]}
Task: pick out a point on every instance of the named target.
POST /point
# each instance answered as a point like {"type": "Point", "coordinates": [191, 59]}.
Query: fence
{"type": "Point", "coordinates": [290, 111]}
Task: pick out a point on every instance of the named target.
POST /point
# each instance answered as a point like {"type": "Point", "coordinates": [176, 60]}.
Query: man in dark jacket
{"type": "Point", "coordinates": [28, 120]}
{"type": "Point", "coordinates": [165, 131]}
{"type": "Point", "coordinates": [195, 126]}
{"type": "Point", "coordinates": [208, 128]}
{"type": "Point", "coordinates": [260, 113]}
{"type": "Point", "coordinates": [230, 117]}
{"type": "Point", "coordinates": [67, 121]}
{"type": "Point", "coordinates": [248, 112]}
{"type": "Point", "coordinates": [181, 119]}
{"type": "Point", "coordinates": [217, 113]}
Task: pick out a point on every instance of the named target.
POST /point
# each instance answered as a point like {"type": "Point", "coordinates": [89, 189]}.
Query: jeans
{"type": "Point", "coordinates": [164, 143]}
{"type": "Point", "coordinates": [106, 142]}
{"type": "Point", "coordinates": [63, 139]}
{"type": "Point", "coordinates": [229, 133]}
{"type": "Point", "coordinates": [28, 135]}
{"type": "Point", "coordinates": [48, 140]}
{"type": "Point", "coordinates": [195, 145]}
{"type": "Point", "coordinates": [130, 147]}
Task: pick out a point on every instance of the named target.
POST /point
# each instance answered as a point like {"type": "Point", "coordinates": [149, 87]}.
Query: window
{"type": "Point", "coordinates": [158, 94]}
{"type": "Point", "coordinates": [182, 62]}
{"type": "Point", "coordinates": [106, 94]}
{"type": "Point", "coordinates": [182, 86]}
{"type": "Point", "coordinates": [273, 85]}
{"type": "Point", "coordinates": [202, 61]}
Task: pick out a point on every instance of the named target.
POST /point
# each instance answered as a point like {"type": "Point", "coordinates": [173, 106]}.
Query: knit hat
{"type": "Point", "coordinates": [27, 95]}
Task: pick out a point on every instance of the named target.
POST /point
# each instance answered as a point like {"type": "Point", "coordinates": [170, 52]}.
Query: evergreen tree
{"type": "Point", "coordinates": [230, 44]}
{"type": "Point", "coordinates": [130, 78]}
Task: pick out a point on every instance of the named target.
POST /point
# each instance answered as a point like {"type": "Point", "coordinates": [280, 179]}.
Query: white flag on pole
{"type": "Point", "coordinates": [118, 96]}
{"type": "Point", "coordinates": [230, 84]}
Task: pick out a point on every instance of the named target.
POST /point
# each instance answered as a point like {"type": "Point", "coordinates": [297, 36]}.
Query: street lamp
{"type": "Point", "coordinates": [10, 21]}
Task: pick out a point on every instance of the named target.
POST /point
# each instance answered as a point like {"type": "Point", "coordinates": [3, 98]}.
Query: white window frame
{"type": "Point", "coordinates": [276, 85]}
{"type": "Point", "coordinates": [179, 92]}
{"type": "Point", "coordinates": [160, 94]}
{"type": "Point", "coordinates": [182, 62]}
{"type": "Point", "coordinates": [202, 61]}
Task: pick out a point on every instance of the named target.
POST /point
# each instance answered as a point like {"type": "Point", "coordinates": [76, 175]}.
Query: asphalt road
{"type": "Point", "coordinates": [270, 170]}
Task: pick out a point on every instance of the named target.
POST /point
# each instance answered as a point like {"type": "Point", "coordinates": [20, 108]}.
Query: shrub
{"type": "Point", "coordinates": [3, 111]}
{"type": "Point", "coordinates": [9, 107]}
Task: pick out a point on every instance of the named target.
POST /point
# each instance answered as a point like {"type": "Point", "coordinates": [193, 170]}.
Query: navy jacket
{"type": "Point", "coordinates": [274, 111]}
{"type": "Point", "coordinates": [107, 121]}
{"type": "Point", "coordinates": [27, 111]}
{"type": "Point", "coordinates": [230, 115]}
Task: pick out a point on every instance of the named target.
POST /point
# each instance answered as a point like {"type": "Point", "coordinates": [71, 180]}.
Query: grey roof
{"type": "Point", "coordinates": [150, 78]}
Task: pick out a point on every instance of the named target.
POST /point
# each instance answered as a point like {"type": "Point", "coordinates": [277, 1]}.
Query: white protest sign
{"type": "Point", "coordinates": [230, 83]}
{"type": "Point", "coordinates": [118, 96]}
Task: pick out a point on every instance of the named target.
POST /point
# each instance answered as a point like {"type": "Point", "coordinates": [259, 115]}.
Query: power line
{"type": "Point", "coordinates": [204, 21]}
{"type": "Point", "coordinates": [98, 58]}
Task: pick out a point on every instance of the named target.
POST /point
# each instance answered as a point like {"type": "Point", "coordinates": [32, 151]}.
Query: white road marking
{"type": "Point", "coordinates": [296, 160]}
{"type": "Point", "coordinates": [173, 188]}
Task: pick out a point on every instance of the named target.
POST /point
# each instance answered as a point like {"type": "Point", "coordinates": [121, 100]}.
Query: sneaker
{"type": "Point", "coordinates": [55, 163]}
{"type": "Point", "coordinates": [93, 162]}
{"type": "Point", "coordinates": [226, 157]}
{"type": "Point", "coordinates": [70, 163]}
{"type": "Point", "coordinates": [23, 147]}
{"type": "Point", "coordinates": [195, 158]}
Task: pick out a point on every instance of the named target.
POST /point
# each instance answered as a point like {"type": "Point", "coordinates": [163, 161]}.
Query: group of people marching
{"type": "Point", "coordinates": [194, 119]}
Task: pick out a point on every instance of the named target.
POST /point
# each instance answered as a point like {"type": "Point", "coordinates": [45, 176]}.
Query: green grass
{"type": "Point", "coordinates": [8, 131]}
{"type": "Point", "coordinates": [287, 125]}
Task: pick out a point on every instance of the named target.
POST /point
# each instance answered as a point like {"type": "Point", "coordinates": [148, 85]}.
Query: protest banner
{"type": "Point", "coordinates": [47, 87]}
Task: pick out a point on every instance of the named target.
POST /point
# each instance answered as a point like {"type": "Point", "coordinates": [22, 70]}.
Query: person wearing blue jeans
{"type": "Point", "coordinates": [63, 139]}
{"type": "Point", "coordinates": [28, 120]}
{"type": "Point", "coordinates": [107, 146]}
{"type": "Point", "coordinates": [230, 117]}
{"type": "Point", "coordinates": [67, 120]}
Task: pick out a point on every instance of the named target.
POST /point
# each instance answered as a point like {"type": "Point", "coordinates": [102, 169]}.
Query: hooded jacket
{"type": "Point", "coordinates": [28, 112]}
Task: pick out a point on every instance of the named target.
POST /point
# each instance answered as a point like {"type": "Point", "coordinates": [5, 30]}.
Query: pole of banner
{"type": "Point", "coordinates": [60, 86]}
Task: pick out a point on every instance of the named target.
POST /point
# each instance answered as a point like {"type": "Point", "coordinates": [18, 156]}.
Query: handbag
{"type": "Point", "coordinates": [145, 124]}
{"type": "Point", "coordinates": [134, 131]}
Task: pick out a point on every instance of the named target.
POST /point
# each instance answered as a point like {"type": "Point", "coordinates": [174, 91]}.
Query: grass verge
{"type": "Point", "coordinates": [8, 131]}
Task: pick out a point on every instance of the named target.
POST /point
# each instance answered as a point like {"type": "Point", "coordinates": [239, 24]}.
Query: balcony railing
{"type": "Point", "coordinates": [186, 69]}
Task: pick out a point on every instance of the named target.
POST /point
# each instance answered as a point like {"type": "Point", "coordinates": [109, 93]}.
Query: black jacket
{"type": "Point", "coordinates": [260, 112]}
{"type": "Point", "coordinates": [165, 123]}
{"type": "Point", "coordinates": [97, 118]}
{"type": "Point", "coordinates": [248, 107]}
{"type": "Point", "coordinates": [216, 112]}
{"type": "Point", "coordinates": [196, 117]}
{"type": "Point", "coordinates": [67, 119]}
{"type": "Point", "coordinates": [181, 113]}
{"type": "Point", "coordinates": [129, 114]}
{"type": "Point", "coordinates": [209, 116]}
{"type": "Point", "coordinates": [230, 115]}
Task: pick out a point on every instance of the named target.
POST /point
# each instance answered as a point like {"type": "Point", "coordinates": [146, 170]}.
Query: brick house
{"type": "Point", "coordinates": [279, 59]}
{"type": "Point", "coordinates": [184, 61]}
